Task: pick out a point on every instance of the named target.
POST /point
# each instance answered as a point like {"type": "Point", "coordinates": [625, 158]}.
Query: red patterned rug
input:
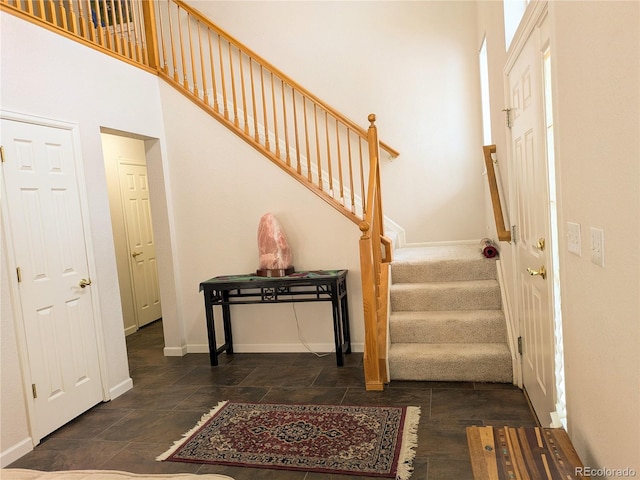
{"type": "Point", "coordinates": [353, 440]}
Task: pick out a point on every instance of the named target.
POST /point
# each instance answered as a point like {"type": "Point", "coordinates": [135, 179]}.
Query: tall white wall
{"type": "Point", "coordinates": [220, 188]}
{"type": "Point", "coordinates": [46, 75]}
{"type": "Point", "coordinates": [415, 65]}
{"type": "Point", "coordinates": [595, 50]}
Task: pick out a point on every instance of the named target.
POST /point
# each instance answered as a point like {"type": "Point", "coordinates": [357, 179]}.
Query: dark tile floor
{"type": "Point", "coordinates": [171, 393]}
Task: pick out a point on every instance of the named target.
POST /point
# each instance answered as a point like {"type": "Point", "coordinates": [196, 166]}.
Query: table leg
{"type": "Point", "coordinates": [346, 332]}
{"type": "Point", "coordinates": [337, 327]}
{"type": "Point", "coordinates": [211, 329]}
{"type": "Point", "coordinates": [226, 321]}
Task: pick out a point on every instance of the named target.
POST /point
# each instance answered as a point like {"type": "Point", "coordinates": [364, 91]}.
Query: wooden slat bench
{"type": "Point", "coordinates": [507, 453]}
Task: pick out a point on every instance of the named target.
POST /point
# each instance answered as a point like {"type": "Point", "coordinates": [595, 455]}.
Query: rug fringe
{"type": "Point", "coordinates": [409, 443]}
{"type": "Point", "coordinates": [185, 436]}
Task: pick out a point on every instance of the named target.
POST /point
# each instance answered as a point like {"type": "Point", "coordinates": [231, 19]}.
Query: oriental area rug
{"type": "Point", "coordinates": [373, 441]}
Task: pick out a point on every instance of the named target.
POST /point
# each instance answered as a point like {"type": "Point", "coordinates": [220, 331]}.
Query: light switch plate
{"type": "Point", "coordinates": [597, 246]}
{"type": "Point", "coordinates": [574, 242]}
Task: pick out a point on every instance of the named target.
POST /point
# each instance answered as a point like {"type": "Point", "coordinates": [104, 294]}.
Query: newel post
{"type": "Point", "coordinates": [150, 31]}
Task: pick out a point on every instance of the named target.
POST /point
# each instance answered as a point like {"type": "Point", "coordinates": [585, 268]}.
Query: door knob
{"type": "Point", "coordinates": [542, 272]}
{"type": "Point", "coordinates": [135, 254]}
{"type": "Point", "coordinates": [84, 283]}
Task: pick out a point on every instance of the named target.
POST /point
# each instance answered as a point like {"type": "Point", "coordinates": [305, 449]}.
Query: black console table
{"type": "Point", "coordinates": [308, 286]}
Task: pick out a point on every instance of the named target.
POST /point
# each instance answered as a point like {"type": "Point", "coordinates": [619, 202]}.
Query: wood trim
{"type": "Point", "coordinates": [504, 235]}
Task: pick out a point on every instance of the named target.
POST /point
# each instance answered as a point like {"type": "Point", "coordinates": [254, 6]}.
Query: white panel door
{"type": "Point", "coordinates": [533, 260]}
{"type": "Point", "coordinates": [134, 187]}
{"type": "Point", "coordinates": [46, 226]}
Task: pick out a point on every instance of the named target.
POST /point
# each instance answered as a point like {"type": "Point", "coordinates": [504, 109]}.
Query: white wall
{"type": "Point", "coordinates": [220, 187]}
{"type": "Point", "coordinates": [597, 95]}
{"type": "Point", "coordinates": [413, 64]}
{"type": "Point", "coordinates": [596, 65]}
{"type": "Point", "coordinates": [63, 80]}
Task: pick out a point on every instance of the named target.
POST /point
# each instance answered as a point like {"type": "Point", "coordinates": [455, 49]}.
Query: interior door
{"type": "Point", "coordinates": [134, 187]}
{"type": "Point", "coordinates": [533, 261]}
{"type": "Point", "coordinates": [45, 222]}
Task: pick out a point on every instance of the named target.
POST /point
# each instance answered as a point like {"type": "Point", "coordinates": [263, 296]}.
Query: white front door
{"type": "Point", "coordinates": [45, 224]}
{"type": "Point", "coordinates": [533, 238]}
{"type": "Point", "coordinates": [134, 187]}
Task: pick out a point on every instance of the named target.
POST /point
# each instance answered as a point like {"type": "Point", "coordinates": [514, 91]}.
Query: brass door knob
{"type": "Point", "coordinates": [84, 283]}
{"type": "Point", "coordinates": [135, 254]}
{"type": "Point", "coordinates": [542, 272]}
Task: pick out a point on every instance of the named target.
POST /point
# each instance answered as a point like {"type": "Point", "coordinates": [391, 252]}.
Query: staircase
{"type": "Point", "coordinates": [446, 320]}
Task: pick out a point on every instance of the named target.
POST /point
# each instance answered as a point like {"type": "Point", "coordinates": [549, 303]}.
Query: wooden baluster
{"type": "Point", "coordinates": [128, 21]}
{"type": "Point", "coordinates": [224, 89]}
{"type": "Point", "coordinates": [86, 30]}
{"type": "Point", "coordinates": [233, 84]}
{"type": "Point", "coordinates": [193, 63]}
{"type": "Point", "coordinates": [72, 18]}
{"type": "Point", "coordinates": [52, 12]}
{"type": "Point", "coordinates": [287, 156]}
{"type": "Point", "coordinates": [114, 28]}
{"type": "Point", "coordinates": [213, 72]}
{"type": "Point", "coordinates": [174, 60]}
{"type": "Point", "coordinates": [306, 138]}
{"type": "Point", "coordinates": [340, 179]}
{"type": "Point", "coordinates": [275, 117]}
{"type": "Point", "coordinates": [29, 5]}
{"type": "Point", "coordinates": [163, 47]}
{"type": "Point", "coordinates": [185, 81]}
{"type": "Point", "coordinates": [244, 94]}
{"type": "Point", "coordinates": [146, 21]}
{"type": "Point", "coordinates": [295, 126]}
{"type": "Point", "coordinates": [318, 161]}
{"type": "Point", "coordinates": [62, 16]}
{"type": "Point", "coordinates": [96, 17]}
{"type": "Point", "coordinates": [330, 173]}
{"type": "Point", "coordinates": [122, 26]}
{"type": "Point", "coordinates": [264, 111]}
{"type": "Point", "coordinates": [204, 74]}
{"type": "Point", "coordinates": [253, 102]}
{"type": "Point", "coordinates": [363, 179]}
{"type": "Point", "coordinates": [352, 193]}
{"type": "Point", "coordinates": [42, 14]}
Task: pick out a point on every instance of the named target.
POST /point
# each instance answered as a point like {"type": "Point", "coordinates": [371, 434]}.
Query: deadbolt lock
{"type": "Point", "coordinates": [540, 244]}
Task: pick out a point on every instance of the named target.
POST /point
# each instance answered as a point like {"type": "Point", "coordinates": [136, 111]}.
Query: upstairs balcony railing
{"type": "Point", "coordinates": [318, 146]}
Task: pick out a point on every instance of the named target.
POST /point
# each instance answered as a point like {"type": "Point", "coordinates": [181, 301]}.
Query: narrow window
{"type": "Point", "coordinates": [513, 12]}
{"type": "Point", "coordinates": [484, 94]}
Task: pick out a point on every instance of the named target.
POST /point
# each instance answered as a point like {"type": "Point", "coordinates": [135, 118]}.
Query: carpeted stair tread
{"type": "Point", "coordinates": [441, 264]}
{"type": "Point", "coordinates": [456, 326]}
{"type": "Point", "coordinates": [460, 295]}
{"type": "Point", "coordinates": [463, 362]}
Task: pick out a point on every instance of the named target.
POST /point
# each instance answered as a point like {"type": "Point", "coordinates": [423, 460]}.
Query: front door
{"type": "Point", "coordinates": [134, 187]}
{"type": "Point", "coordinates": [533, 239]}
{"type": "Point", "coordinates": [45, 225]}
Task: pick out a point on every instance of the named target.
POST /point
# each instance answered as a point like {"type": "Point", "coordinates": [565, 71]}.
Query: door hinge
{"type": "Point", "coordinates": [19, 274]}
{"type": "Point", "coordinates": [520, 345]}
{"type": "Point", "coordinates": [1, 154]}
{"type": "Point", "coordinates": [507, 113]}
{"type": "Point", "coordinates": [513, 234]}
{"type": "Point", "coordinates": [34, 391]}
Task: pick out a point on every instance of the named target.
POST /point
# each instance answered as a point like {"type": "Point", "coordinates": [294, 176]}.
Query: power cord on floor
{"type": "Point", "coordinates": [319, 355]}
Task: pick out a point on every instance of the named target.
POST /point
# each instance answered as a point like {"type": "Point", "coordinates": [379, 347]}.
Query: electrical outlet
{"type": "Point", "coordinates": [574, 242]}
{"type": "Point", "coordinates": [597, 246]}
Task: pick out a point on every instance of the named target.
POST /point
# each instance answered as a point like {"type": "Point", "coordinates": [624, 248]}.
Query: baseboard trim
{"type": "Point", "coordinates": [276, 348]}
{"type": "Point", "coordinates": [16, 451]}
{"type": "Point", "coordinates": [122, 387]}
{"type": "Point", "coordinates": [177, 351]}
{"type": "Point", "coordinates": [512, 328]}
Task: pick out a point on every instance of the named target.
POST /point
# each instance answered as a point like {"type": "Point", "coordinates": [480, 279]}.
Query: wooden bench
{"type": "Point", "coordinates": [506, 453]}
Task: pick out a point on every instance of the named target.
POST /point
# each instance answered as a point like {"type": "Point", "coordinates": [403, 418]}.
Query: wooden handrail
{"type": "Point", "coordinates": [504, 235]}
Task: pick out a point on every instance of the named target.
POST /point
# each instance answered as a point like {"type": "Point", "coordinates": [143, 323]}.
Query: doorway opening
{"type": "Point", "coordinates": [131, 219]}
